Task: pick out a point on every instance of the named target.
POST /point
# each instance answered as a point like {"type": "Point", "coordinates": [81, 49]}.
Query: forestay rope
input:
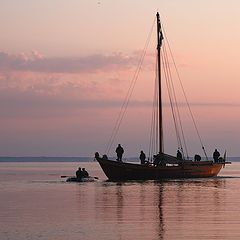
{"type": "Point", "coordinates": [129, 93]}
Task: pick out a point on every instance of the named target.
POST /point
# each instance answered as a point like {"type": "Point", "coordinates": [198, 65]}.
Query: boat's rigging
{"type": "Point", "coordinates": [156, 132]}
{"type": "Point", "coordinates": [174, 104]}
{"type": "Point", "coordinates": [153, 142]}
{"type": "Point", "coordinates": [185, 95]}
{"type": "Point", "coordinates": [157, 135]}
{"type": "Point", "coordinates": [153, 146]}
{"type": "Point", "coordinates": [129, 92]}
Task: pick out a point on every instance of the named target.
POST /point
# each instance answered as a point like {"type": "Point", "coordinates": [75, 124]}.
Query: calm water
{"type": "Point", "coordinates": [35, 203]}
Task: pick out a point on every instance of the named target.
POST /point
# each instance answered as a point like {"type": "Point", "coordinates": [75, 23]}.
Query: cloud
{"type": "Point", "coordinates": [36, 62]}
{"type": "Point", "coordinates": [31, 104]}
{"type": "Point", "coordinates": [15, 103]}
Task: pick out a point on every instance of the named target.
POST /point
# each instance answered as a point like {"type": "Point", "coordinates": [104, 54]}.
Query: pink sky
{"type": "Point", "coordinates": [65, 68]}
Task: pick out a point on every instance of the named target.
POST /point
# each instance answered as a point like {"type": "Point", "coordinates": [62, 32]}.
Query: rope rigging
{"type": "Point", "coordinates": [174, 105]}
{"type": "Point", "coordinates": [153, 143]}
{"type": "Point", "coordinates": [181, 140]}
{"type": "Point", "coordinates": [154, 129]}
{"type": "Point", "coordinates": [129, 93]}
{"type": "Point", "coordinates": [185, 96]}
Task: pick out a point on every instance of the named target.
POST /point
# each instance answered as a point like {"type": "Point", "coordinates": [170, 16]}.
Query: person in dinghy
{"type": "Point", "coordinates": [81, 176]}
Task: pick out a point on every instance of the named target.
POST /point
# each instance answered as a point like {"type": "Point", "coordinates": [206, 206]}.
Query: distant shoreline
{"type": "Point", "coordinates": [46, 159]}
{"type": "Point", "coordinates": [73, 159]}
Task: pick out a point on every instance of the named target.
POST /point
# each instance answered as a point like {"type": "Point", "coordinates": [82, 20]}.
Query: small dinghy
{"type": "Point", "coordinates": [83, 179]}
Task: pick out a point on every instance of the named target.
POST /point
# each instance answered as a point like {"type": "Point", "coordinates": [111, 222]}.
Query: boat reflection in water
{"type": "Point", "coordinates": [161, 210]}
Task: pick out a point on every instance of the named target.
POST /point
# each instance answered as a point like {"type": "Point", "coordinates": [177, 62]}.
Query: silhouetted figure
{"type": "Point", "coordinates": [216, 155]}
{"type": "Point", "coordinates": [105, 157]}
{"type": "Point", "coordinates": [84, 173]}
{"type": "Point", "coordinates": [119, 151]}
{"type": "Point", "coordinates": [158, 159]}
{"type": "Point", "coordinates": [79, 174]}
{"type": "Point", "coordinates": [179, 155]}
{"type": "Point", "coordinates": [142, 157]}
{"type": "Point", "coordinates": [96, 155]}
{"type": "Point", "coordinates": [197, 158]}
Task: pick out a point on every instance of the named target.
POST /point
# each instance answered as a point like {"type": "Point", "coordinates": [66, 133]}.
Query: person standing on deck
{"type": "Point", "coordinates": [142, 157]}
{"type": "Point", "coordinates": [179, 155]}
{"type": "Point", "coordinates": [119, 151]}
{"type": "Point", "coordinates": [216, 155]}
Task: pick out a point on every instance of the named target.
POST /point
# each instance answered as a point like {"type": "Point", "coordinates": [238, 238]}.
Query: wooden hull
{"type": "Point", "coordinates": [187, 169]}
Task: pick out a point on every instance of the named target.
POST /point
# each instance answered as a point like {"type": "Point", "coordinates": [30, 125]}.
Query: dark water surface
{"type": "Point", "coordinates": [35, 203]}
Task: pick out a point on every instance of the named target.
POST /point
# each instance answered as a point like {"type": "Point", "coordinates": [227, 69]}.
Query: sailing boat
{"type": "Point", "coordinates": [163, 165]}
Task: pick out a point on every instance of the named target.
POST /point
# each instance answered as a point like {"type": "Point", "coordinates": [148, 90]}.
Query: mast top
{"type": "Point", "coordinates": [159, 30]}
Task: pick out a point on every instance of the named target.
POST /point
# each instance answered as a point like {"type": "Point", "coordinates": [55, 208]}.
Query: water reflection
{"type": "Point", "coordinates": [160, 210]}
{"type": "Point", "coordinates": [35, 206]}
{"type": "Point", "coordinates": [119, 194]}
{"type": "Point", "coordinates": [161, 216]}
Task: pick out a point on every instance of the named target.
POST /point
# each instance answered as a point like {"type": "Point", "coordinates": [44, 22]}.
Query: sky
{"type": "Point", "coordinates": [65, 68]}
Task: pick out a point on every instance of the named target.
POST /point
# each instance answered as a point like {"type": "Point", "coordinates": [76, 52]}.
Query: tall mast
{"type": "Point", "coordinates": [159, 44]}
